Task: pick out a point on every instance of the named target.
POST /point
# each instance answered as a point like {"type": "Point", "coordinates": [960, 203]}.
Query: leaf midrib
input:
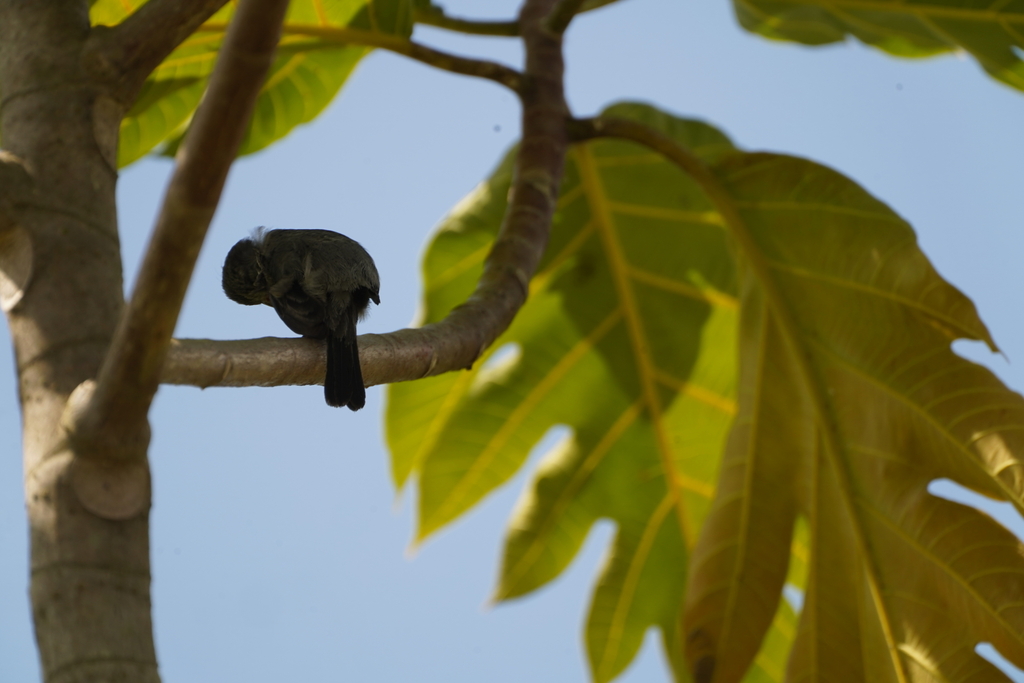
{"type": "Point", "coordinates": [789, 331]}
{"type": "Point", "coordinates": [601, 214]}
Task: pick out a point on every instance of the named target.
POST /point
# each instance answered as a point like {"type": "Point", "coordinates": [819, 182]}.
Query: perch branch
{"type": "Point", "coordinates": [457, 341]}
{"type": "Point", "coordinates": [435, 16]}
{"type": "Point", "coordinates": [271, 361]}
{"type": "Point", "coordinates": [131, 370]}
{"type": "Point", "coordinates": [128, 53]}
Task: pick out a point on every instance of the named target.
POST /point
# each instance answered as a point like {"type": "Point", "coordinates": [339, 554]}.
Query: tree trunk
{"type": "Point", "coordinates": [90, 576]}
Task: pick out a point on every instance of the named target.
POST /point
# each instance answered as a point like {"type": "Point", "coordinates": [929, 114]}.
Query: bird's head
{"type": "Point", "coordinates": [243, 279]}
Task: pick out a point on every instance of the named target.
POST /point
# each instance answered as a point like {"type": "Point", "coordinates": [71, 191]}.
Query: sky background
{"type": "Point", "coordinates": [278, 542]}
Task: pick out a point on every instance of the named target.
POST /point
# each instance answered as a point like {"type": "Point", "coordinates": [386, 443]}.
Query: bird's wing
{"type": "Point", "coordinates": [302, 313]}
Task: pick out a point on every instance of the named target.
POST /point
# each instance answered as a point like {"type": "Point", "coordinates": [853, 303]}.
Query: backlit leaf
{"type": "Point", "coordinates": [313, 62]}
{"type": "Point", "coordinates": [991, 32]}
{"type": "Point", "coordinates": [614, 344]}
{"type": "Point", "coordinates": [857, 326]}
{"type": "Point", "coordinates": [757, 393]}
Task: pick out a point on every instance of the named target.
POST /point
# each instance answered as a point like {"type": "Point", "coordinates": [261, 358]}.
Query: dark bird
{"type": "Point", "coordinates": [320, 283]}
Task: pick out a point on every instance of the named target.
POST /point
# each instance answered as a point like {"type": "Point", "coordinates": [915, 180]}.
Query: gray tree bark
{"type": "Point", "coordinates": [90, 576]}
{"type": "Point", "coordinates": [86, 362]}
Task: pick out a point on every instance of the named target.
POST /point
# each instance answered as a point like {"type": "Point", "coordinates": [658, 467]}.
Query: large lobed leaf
{"type": "Point", "coordinates": [628, 343]}
{"type": "Point", "coordinates": [991, 32]}
{"type": "Point", "coordinates": [856, 404]}
{"type": "Point", "coordinates": [311, 66]}
{"type": "Point", "coordinates": [753, 402]}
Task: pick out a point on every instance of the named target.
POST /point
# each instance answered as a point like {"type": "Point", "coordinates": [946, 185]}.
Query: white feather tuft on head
{"type": "Point", "coordinates": [259, 234]}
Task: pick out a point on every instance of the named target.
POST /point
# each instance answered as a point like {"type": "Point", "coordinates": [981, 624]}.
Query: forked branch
{"type": "Point", "coordinates": [112, 422]}
{"type": "Point", "coordinates": [130, 51]}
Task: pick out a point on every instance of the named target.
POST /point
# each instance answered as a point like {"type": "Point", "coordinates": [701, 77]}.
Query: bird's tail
{"type": "Point", "coordinates": [343, 384]}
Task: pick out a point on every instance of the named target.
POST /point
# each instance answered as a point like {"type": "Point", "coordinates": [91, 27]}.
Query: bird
{"type": "Point", "coordinates": [320, 283]}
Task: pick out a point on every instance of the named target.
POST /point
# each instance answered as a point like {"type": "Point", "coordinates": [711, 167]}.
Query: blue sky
{"type": "Point", "coordinates": [279, 545]}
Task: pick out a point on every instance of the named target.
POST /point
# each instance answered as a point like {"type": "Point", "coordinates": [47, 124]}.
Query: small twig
{"type": "Point", "coordinates": [338, 36]}
{"type": "Point", "coordinates": [435, 16]}
{"type": "Point", "coordinates": [112, 424]}
{"type": "Point", "coordinates": [128, 53]}
{"type": "Point", "coordinates": [562, 15]}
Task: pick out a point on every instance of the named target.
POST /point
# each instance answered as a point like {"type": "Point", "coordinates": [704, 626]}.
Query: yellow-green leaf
{"type": "Point", "coordinates": [629, 344]}
{"type": "Point", "coordinates": [858, 327]}
{"type": "Point", "coordinates": [807, 464]}
{"type": "Point", "coordinates": [314, 60]}
{"type": "Point", "coordinates": [993, 33]}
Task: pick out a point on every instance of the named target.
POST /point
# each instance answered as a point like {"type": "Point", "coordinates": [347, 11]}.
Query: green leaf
{"type": "Point", "coordinates": [857, 397]}
{"type": "Point", "coordinates": [313, 62]}
{"type": "Point", "coordinates": [806, 464]}
{"type": "Point", "coordinates": [613, 343]}
{"type": "Point", "coordinates": [993, 33]}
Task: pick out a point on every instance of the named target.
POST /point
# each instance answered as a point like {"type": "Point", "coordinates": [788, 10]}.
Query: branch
{"type": "Point", "coordinates": [562, 15]}
{"type": "Point", "coordinates": [271, 361]}
{"type": "Point", "coordinates": [129, 52]}
{"type": "Point", "coordinates": [481, 68]}
{"type": "Point", "coordinates": [339, 36]}
{"type": "Point", "coordinates": [111, 423]}
{"type": "Point", "coordinates": [457, 341]}
{"type": "Point", "coordinates": [435, 16]}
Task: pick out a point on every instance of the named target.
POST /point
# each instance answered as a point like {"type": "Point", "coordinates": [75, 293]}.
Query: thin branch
{"type": "Point", "coordinates": [435, 16]}
{"type": "Point", "coordinates": [591, 5]}
{"type": "Point", "coordinates": [339, 36]}
{"type": "Point", "coordinates": [562, 15]}
{"type": "Point", "coordinates": [457, 341]}
{"type": "Point", "coordinates": [128, 53]}
{"type": "Point", "coordinates": [481, 68]}
{"type": "Point", "coordinates": [113, 422]}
